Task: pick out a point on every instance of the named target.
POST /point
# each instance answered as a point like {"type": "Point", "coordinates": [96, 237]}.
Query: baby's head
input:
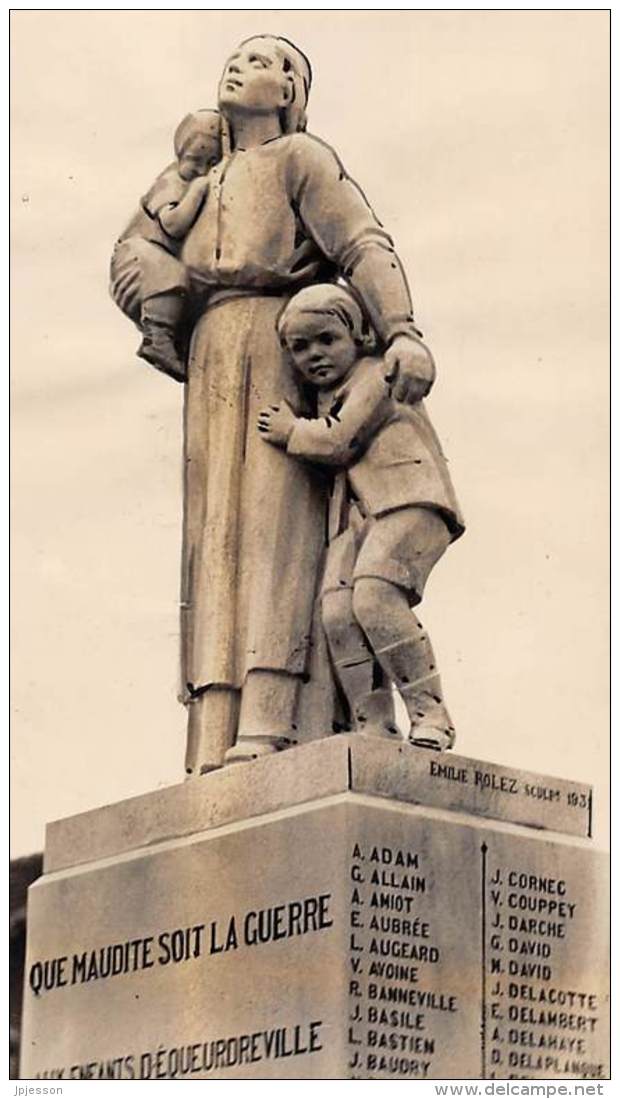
{"type": "Point", "coordinates": [324, 331]}
{"type": "Point", "coordinates": [198, 143]}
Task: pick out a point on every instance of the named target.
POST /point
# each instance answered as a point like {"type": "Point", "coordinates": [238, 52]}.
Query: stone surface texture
{"type": "Point", "coordinates": [344, 935]}
{"type": "Point", "coordinates": [334, 765]}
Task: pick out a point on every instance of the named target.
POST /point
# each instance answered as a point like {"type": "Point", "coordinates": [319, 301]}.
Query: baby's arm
{"type": "Point", "coordinates": [338, 438]}
{"type": "Point", "coordinates": [177, 218]}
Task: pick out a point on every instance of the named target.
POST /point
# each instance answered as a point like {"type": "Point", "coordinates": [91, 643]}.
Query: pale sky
{"type": "Point", "coordinates": [480, 139]}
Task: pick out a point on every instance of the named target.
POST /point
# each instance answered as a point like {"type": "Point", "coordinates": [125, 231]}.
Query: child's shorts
{"type": "Point", "coordinates": [401, 547]}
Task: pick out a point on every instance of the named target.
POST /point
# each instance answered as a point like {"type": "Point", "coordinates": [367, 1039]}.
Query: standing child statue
{"type": "Point", "coordinates": [393, 512]}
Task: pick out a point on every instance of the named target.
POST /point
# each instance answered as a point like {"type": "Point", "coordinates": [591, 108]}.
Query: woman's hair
{"type": "Point", "coordinates": [329, 299]}
{"type": "Point", "coordinates": [202, 123]}
{"type": "Point", "coordinates": [298, 74]}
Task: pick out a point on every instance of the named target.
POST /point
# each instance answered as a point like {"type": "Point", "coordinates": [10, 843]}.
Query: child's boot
{"type": "Point", "coordinates": [160, 317]}
{"type": "Point", "coordinates": [411, 666]}
{"type": "Point", "coordinates": [158, 349]}
{"type": "Point", "coordinates": [431, 725]}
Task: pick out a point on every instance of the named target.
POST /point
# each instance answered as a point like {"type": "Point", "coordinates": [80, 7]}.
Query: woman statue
{"type": "Point", "coordinates": [280, 214]}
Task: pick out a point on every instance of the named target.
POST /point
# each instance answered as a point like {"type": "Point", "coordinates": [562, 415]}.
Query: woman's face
{"type": "Point", "coordinates": [253, 79]}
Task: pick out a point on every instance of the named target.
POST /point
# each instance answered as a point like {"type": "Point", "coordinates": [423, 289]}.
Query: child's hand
{"type": "Point", "coordinates": [276, 423]}
{"type": "Point", "coordinates": [199, 184]}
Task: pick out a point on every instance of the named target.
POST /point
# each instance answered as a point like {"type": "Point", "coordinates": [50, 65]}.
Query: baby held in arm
{"type": "Point", "coordinates": [392, 515]}
{"type": "Point", "coordinates": [148, 280]}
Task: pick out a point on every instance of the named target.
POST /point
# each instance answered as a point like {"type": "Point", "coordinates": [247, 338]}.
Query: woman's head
{"type": "Point", "coordinates": [325, 331]}
{"type": "Point", "coordinates": [267, 75]}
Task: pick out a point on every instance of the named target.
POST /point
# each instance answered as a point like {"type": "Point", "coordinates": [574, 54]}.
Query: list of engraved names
{"type": "Point", "coordinates": [535, 1023]}
{"type": "Point", "coordinates": [394, 960]}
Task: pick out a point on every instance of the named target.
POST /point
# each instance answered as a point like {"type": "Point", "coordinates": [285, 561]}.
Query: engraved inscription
{"type": "Point", "coordinates": [393, 947]}
{"type": "Point", "coordinates": [536, 1025]}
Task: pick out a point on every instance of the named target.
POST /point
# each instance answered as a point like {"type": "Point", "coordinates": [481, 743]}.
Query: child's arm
{"type": "Point", "coordinates": [176, 219]}
{"type": "Point", "coordinates": [338, 438]}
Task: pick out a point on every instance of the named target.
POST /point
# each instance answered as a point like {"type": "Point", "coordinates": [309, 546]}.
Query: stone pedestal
{"type": "Point", "coordinates": [348, 909]}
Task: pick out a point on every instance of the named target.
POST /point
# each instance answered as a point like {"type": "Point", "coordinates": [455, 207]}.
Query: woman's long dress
{"type": "Point", "coordinates": [255, 521]}
{"type": "Point", "coordinates": [278, 217]}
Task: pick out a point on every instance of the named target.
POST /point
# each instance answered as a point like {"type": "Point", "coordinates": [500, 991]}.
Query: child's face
{"type": "Point", "coordinates": [322, 348]}
{"type": "Point", "coordinates": [200, 154]}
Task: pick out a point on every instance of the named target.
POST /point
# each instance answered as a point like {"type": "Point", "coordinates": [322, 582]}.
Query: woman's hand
{"type": "Point", "coordinates": [410, 369]}
{"type": "Point", "coordinates": [276, 423]}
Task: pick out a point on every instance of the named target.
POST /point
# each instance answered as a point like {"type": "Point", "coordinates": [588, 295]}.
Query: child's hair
{"type": "Point", "coordinates": [203, 123]}
{"type": "Point", "coordinates": [329, 299]}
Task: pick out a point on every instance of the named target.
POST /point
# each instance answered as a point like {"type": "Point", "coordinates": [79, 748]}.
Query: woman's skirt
{"type": "Point", "coordinates": [254, 527]}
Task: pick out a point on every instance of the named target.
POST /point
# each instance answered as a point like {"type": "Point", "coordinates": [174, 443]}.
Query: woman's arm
{"type": "Point", "coordinates": [338, 217]}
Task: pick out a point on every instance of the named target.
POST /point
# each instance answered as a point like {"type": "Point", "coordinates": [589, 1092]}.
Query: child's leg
{"type": "Point", "coordinates": [372, 710]}
{"type": "Point", "coordinates": [161, 315]}
{"type": "Point", "coordinates": [352, 659]}
{"type": "Point", "coordinates": [394, 562]}
{"type": "Point", "coordinates": [405, 653]}
{"type": "Point", "coordinates": [166, 283]}
{"type": "Point", "coordinates": [165, 309]}
{"type": "Point", "coordinates": [126, 285]}
{"type": "Point", "coordinates": [150, 286]}
{"type": "Point", "coordinates": [371, 707]}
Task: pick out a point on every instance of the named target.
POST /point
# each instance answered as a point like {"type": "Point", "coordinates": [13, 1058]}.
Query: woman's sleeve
{"type": "Point", "coordinates": [336, 214]}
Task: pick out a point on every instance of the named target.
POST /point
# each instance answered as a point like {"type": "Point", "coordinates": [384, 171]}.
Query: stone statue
{"type": "Point", "coordinates": [277, 215]}
{"type": "Point", "coordinates": [148, 281]}
{"type": "Point", "coordinates": [393, 512]}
